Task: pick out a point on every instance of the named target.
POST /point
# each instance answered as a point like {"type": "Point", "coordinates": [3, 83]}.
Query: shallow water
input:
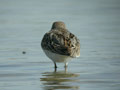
{"type": "Point", "coordinates": [24, 22]}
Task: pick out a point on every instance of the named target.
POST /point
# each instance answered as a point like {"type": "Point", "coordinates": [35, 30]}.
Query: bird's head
{"type": "Point", "coordinates": [58, 24]}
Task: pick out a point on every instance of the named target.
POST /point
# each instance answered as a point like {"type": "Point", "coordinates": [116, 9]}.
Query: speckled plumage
{"type": "Point", "coordinates": [60, 41]}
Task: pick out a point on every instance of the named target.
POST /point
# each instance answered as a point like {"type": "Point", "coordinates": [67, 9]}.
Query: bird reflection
{"type": "Point", "coordinates": [59, 80]}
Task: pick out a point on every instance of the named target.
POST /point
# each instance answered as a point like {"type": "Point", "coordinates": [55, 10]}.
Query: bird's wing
{"type": "Point", "coordinates": [63, 43]}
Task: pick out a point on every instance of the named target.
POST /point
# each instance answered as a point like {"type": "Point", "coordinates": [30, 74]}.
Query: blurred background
{"type": "Point", "coordinates": [23, 23]}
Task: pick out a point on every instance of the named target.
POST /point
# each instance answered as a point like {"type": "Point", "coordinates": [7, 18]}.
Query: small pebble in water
{"type": "Point", "coordinates": [23, 52]}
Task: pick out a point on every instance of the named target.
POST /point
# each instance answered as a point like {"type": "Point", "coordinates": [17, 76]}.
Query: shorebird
{"type": "Point", "coordinates": [60, 45]}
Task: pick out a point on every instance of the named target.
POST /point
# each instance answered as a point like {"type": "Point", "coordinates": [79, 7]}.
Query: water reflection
{"type": "Point", "coordinates": [59, 80]}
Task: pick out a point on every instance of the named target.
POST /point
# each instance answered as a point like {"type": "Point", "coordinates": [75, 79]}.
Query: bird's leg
{"type": "Point", "coordinates": [55, 65]}
{"type": "Point", "coordinates": [66, 64]}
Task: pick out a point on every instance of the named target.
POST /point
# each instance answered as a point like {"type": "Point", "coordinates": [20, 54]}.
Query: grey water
{"type": "Point", "coordinates": [24, 66]}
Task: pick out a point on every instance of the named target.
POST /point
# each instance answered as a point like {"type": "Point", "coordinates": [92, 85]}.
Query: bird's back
{"type": "Point", "coordinates": [61, 41]}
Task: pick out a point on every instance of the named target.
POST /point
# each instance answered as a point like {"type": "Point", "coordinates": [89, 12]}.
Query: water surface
{"type": "Point", "coordinates": [24, 22]}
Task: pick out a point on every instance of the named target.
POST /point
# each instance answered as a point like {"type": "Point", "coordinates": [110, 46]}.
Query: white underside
{"type": "Point", "coordinates": [57, 57]}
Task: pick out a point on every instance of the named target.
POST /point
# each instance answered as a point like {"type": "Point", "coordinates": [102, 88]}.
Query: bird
{"type": "Point", "coordinates": [60, 45]}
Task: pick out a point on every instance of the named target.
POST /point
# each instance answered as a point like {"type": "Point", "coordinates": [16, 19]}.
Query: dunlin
{"type": "Point", "coordinates": [60, 45]}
